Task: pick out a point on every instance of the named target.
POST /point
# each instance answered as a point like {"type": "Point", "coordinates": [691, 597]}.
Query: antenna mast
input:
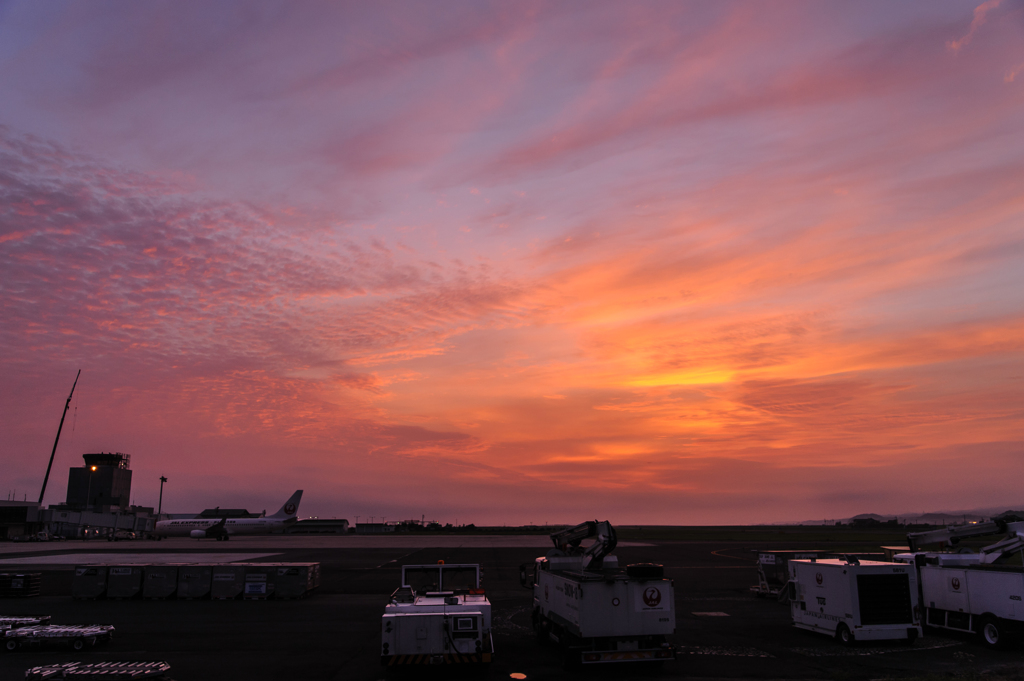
{"type": "Point", "coordinates": [57, 439]}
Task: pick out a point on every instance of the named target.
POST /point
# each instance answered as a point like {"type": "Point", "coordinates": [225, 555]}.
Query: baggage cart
{"type": "Point", "coordinates": [114, 671]}
{"type": "Point", "coordinates": [20, 585]}
{"type": "Point", "coordinates": [160, 581]}
{"type": "Point", "coordinates": [124, 581]}
{"type": "Point", "coordinates": [228, 581]}
{"type": "Point", "coordinates": [90, 582]}
{"type": "Point", "coordinates": [77, 636]}
{"type": "Point", "coordinates": [18, 621]}
{"type": "Point", "coordinates": [194, 581]}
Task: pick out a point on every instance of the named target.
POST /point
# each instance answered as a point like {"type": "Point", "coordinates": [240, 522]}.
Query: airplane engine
{"type": "Point", "coordinates": [197, 534]}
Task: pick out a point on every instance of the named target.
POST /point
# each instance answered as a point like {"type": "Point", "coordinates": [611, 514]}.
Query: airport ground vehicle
{"type": "Point", "coordinates": [596, 611]}
{"type": "Point", "coordinates": [972, 591]}
{"type": "Point", "coordinates": [855, 600]}
{"type": "Point", "coordinates": [77, 636]}
{"type": "Point", "coordinates": [439, 615]}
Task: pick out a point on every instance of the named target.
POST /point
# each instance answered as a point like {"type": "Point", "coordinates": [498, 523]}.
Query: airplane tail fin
{"type": "Point", "coordinates": [290, 508]}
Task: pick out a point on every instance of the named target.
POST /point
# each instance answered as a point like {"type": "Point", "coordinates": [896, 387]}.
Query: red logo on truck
{"type": "Point", "coordinates": [289, 509]}
{"type": "Point", "coordinates": [652, 597]}
{"type": "Point", "coordinates": [956, 584]}
{"type": "Point", "coordinates": [819, 579]}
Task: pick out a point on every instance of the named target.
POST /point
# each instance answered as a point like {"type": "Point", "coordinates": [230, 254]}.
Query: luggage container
{"type": "Point", "coordinates": [259, 581]}
{"type": "Point", "coordinates": [296, 580]}
{"type": "Point", "coordinates": [112, 671]}
{"type": "Point", "coordinates": [90, 582]}
{"type": "Point", "coordinates": [194, 581]}
{"type": "Point", "coordinates": [855, 600]}
{"type": "Point", "coordinates": [21, 585]}
{"type": "Point", "coordinates": [160, 581]}
{"type": "Point", "coordinates": [228, 581]}
{"type": "Point", "coordinates": [124, 581]}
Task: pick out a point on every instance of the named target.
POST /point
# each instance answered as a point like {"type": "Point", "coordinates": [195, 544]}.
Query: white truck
{"type": "Point", "coordinates": [439, 615]}
{"type": "Point", "coordinates": [596, 611]}
{"type": "Point", "coordinates": [855, 600]}
{"type": "Point", "coordinates": [972, 591]}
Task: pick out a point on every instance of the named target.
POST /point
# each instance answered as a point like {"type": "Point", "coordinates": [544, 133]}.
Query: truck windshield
{"type": "Point", "coordinates": [422, 579]}
{"type": "Point", "coordinates": [458, 579]}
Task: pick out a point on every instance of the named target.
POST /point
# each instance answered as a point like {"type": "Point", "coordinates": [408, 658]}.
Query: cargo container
{"type": "Point", "coordinates": [259, 581]}
{"type": "Point", "coordinates": [194, 581]}
{"type": "Point", "coordinates": [124, 581]}
{"type": "Point", "coordinates": [90, 582]}
{"type": "Point", "coordinates": [160, 581]}
{"type": "Point", "coordinates": [296, 580]}
{"type": "Point", "coordinates": [228, 581]}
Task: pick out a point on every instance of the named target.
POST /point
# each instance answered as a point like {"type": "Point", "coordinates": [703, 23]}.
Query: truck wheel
{"type": "Point", "coordinates": [844, 635]}
{"type": "Point", "coordinates": [992, 632]}
{"type": "Point", "coordinates": [78, 644]}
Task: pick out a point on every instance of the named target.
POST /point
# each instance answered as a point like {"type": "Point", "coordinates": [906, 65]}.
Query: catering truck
{"type": "Point", "coordinates": [595, 610]}
{"type": "Point", "coordinates": [855, 600]}
{"type": "Point", "coordinates": [439, 615]}
{"type": "Point", "coordinates": [978, 592]}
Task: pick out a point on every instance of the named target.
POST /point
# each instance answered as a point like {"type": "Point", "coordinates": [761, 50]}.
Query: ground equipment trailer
{"type": "Point", "coordinates": [77, 636]}
{"type": "Point", "coordinates": [596, 611]}
{"type": "Point", "coordinates": [108, 671]}
{"type": "Point", "coordinates": [855, 600]}
{"type": "Point", "coordinates": [439, 616]}
{"type": "Point", "coordinates": [18, 621]}
{"type": "Point", "coordinates": [974, 592]}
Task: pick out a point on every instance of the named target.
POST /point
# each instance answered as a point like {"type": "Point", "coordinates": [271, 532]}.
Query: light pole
{"type": "Point", "coordinates": [88, 489]}
{"type": "Point", "coordinates": [161, 505]}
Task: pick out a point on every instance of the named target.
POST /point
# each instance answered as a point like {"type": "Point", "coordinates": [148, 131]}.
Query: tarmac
{"type": "Point", "coordinates": [723, 631]}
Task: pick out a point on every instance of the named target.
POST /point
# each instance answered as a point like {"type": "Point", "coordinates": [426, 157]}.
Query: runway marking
{"type": "Point", "coordinates": [710, 614]}
{"type": "Point", "coordinates": [838, 651]}
{"type": "Point", "coordinates": [718, 651]}
{"type": "Point", "coordinates": [507, 623]}
{"type": "Point", "coordinates": [749, 561]}
{"type": "Point", "coordinates": [395, 560]}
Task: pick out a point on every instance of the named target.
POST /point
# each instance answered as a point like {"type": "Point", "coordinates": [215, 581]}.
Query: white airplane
{"type": "Point", "coordinates": [223, 529]}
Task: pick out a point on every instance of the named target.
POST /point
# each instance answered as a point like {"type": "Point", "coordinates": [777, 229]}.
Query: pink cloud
{"type": "Point", "coordinates": [980, 16]}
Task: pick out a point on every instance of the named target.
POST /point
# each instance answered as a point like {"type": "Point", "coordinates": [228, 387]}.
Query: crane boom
{"type": "Point", "coordinates": [57, 439]}
{"type": "Point", "coordinates": [568, 541]}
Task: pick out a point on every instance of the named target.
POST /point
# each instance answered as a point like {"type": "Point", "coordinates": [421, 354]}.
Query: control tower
{"type": "Point", "coordinates": [104, 482]}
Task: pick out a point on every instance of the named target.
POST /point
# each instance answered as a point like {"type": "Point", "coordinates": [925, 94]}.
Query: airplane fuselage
{"type": "Point", "coordinates": [233, 526]}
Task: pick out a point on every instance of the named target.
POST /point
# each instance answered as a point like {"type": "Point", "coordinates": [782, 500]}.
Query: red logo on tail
{"type": "Point", "coordinates": [289, 509]}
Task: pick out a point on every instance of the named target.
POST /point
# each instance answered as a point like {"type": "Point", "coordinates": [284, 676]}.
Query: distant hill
{"type": "Point", "coordinates": [930, 518]}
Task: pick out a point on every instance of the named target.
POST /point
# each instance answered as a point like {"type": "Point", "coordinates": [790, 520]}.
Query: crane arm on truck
{"type": "Point", "coordinates": [951, 536]}
{"type": "Point", "coordinates": [1013, 543]}
{"type": "Point", "coordinates": [568, 541]}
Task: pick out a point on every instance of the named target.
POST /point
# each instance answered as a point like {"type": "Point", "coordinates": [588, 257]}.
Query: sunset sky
{"type": "Point", "coordinates": [655, 262]}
